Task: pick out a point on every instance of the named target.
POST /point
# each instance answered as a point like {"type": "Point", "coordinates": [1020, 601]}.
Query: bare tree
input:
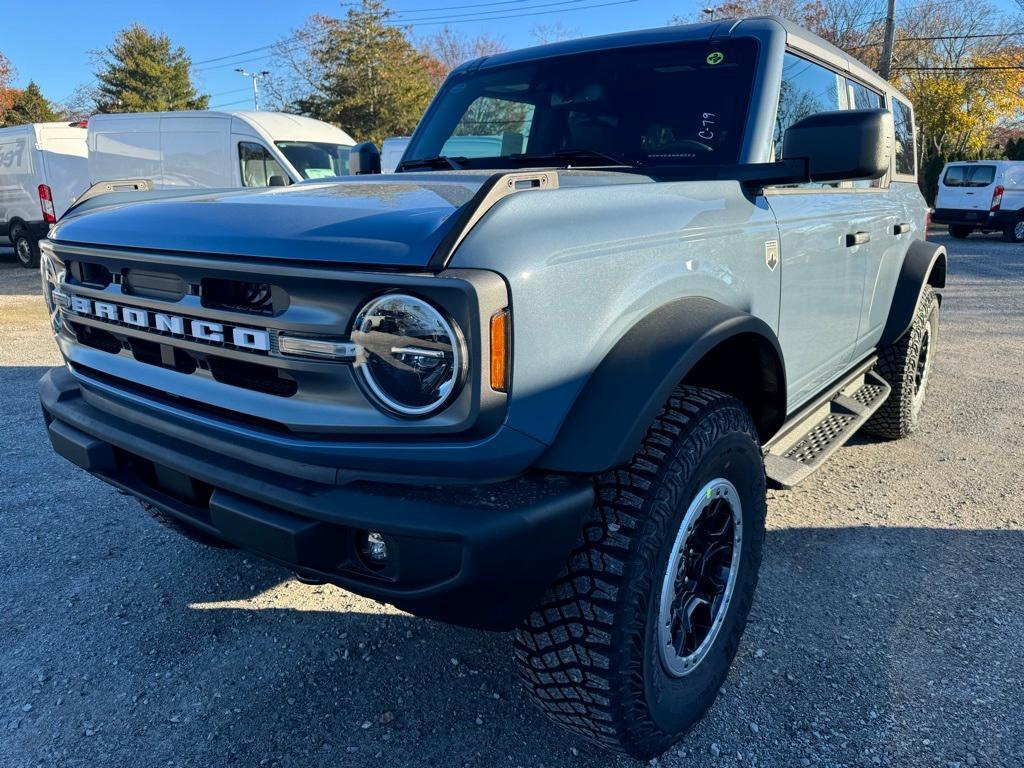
{"type": "Point", "coordinates": [448, 48]}
{"type": "Point", "coordinates": [553, 33]}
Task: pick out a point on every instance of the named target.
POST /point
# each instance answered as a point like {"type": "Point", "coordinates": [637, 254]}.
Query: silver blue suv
{"type": "Point", "coordinates": [539, 378]}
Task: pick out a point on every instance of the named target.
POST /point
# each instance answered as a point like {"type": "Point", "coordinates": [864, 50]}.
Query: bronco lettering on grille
{"type": "Point", "coordinates": [161, 322]}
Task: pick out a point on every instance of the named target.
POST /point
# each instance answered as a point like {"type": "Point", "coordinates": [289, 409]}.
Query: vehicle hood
{"type": "Point", "coordinates": [391, 220]}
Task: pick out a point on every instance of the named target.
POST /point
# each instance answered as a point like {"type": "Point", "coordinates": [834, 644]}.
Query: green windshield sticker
{"type": "Point", "coordinates": [318, 173]}
{"type": "Point", "coordinates": [715, 57]}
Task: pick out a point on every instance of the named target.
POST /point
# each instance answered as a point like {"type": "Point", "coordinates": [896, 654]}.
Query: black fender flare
{"type": "Point", "coordinates": [925, 264]}
{"type": "Point", "coordinates": [624, 394]}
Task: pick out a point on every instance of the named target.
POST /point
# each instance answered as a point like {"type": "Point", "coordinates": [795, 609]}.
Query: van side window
{"type": "Point", "coordinates": [257, 165]}
{"type": "Point", "coordinates": [905, 162]}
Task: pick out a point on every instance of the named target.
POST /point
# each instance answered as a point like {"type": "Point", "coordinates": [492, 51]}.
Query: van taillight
{"type": "Point", "coordinates": [927, 222]}
{"type": "Point", "coordinates": [997, 198]}
{"type": "Point", "coordinates": [46, 203]}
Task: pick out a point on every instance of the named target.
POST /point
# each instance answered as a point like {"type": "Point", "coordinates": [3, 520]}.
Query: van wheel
{"type": "Point", "coordinates": [1014, 233]}
{"type": "Point", "coordinates": [907, 367]}
{"type": "Point", "coordinates": [959, 231]}
{"type": "Point", "coordinates": [631, 644]}
{"type": "Point", "coordinates": [25, 247]}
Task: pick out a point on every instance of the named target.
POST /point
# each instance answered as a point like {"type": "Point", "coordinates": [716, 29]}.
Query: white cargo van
{"type": "Point", "coordinates": [983, 196]}
{"type": "Point", "coordinates": [215, 149]}
{"type": "Point", "coordinates": [391, 152]}
{"type": "Point", "coordinates": [43, 169]}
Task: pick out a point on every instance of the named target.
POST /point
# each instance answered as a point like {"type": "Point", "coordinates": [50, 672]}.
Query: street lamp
{"type": "Point", "coordinates": [709, 12]}
{"type": "Point", "coordinates": [256, 77]}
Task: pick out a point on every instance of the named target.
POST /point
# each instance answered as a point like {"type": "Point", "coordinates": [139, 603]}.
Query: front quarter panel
{"type": "Point", "coordinates": [585, 264]}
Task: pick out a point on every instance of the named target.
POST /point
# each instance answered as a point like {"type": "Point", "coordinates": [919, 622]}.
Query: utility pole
{"type": "Point", "coordinates": [256, 77]}
{"type": "Point", "coordinates": [885, 66]}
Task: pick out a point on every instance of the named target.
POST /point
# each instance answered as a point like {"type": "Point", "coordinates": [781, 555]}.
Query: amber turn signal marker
{"type": "Point", "coordinates": [499, 351]}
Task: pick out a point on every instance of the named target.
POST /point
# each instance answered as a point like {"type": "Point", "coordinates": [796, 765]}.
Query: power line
{"type": "Point", "coordinates": [426, 22]}
{"type": "Point", "coordinates": [483, 14]}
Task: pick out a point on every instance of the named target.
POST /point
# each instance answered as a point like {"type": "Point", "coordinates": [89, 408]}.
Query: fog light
{"type": "Point", "coordinates": [374, 549]}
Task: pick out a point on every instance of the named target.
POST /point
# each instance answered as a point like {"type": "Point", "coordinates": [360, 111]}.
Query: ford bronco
{"type": "Point", "coordinates": [539, 378]}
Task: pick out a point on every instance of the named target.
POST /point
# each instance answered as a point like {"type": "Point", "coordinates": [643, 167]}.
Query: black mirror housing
{"type": "Point", "coordinates": [363, 159]}
{"type": "Point", "coordinates": [277, 181]}
{"type": "Point", "coordinates": [847, 145]}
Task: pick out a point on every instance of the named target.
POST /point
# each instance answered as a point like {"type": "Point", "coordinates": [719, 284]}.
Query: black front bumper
{"type": "Point", "coordinates": [476, 555]}
{"type": "Point", "coordinates": [991, 220]}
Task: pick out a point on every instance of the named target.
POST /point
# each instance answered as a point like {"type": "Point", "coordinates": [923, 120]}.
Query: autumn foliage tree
{"type": "Point", "coordinates": [7, 91]}
{"type": "Point", "coordinates": [30, 106]}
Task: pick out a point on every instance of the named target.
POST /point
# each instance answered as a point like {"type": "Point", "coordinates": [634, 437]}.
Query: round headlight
{"type": "Point", "coordinates": [410, 356]}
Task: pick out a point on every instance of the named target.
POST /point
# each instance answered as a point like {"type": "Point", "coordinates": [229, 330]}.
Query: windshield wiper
{"type": "Point", "coordinates": [441, 161]}
{"type": "Point", "coordinates": [570, 156]}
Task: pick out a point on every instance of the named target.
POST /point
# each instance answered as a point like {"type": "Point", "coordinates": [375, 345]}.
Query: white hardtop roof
{"type": "Point", "coordinates": [284, 126]}
{"type": "Point", "coordinates": [279, 125]}
{"type": "Point", "coordinates": [36, 128]}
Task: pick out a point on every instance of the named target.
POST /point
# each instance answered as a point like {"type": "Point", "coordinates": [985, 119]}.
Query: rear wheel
{"type": "Point", "coordinates": [631, 644]}
{"type": "Point", "coordinates": [907, 367]}
{"type": "Point", "coordinates": [959, 231]}
{"type": "Point", "coordinates": [26, 249]}
{"type": "Point", "coordinates": [1014, 233]}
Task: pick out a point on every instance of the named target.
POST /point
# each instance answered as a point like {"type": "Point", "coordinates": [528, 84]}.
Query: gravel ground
{"type": "Point", "coordinates": [886, 629]}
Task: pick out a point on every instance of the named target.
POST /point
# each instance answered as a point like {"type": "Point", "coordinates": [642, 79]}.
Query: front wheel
{"type": "Point", "coordinates": [26, 249]}
{"type": "Point", "coordinates": [632, 643]}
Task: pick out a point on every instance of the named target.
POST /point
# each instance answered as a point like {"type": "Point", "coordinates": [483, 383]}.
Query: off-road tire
{"type": "Point", "coordinates": [26, 249]}
{"type": "Point", "coordinates": [185, 530]}
{"type": "Point", "coordinates": [959, 231]}
{"type": "Point", "coordinates": [1014, 232]}
{"type": "Point", "coordinates": [898, 365]}
{"type": "Point", "coordinates": [589, 653]}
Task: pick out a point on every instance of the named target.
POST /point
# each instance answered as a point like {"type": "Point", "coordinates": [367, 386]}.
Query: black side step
{"type": "Point", "coordinates": [804, 444]}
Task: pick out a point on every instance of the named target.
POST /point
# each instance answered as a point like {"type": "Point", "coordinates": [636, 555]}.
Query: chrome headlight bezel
{"type": "Point", "coordinates": [378, 394]}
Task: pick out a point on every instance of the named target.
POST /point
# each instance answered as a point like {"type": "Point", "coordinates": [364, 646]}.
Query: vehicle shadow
{"type": "Point", "coordinates": [860, 638]}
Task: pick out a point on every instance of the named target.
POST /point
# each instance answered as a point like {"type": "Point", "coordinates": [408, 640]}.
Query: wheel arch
{"type": "Point", "coordinates": [695, 341]}
{"type": "Point", "coordinates": [924, 265]}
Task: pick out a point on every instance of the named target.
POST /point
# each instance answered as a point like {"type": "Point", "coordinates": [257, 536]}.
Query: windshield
{"type": "Point", "coordinates": [670, 104]}
{"type": "Point", "coordinates": [316, 159]}
{"type": "Point", "coordinates": [969, 175]}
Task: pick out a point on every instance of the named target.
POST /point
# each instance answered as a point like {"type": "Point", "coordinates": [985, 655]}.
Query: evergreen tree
{"type": "Point", "coordinates": [370, 80]}
{"type": "Point", "coordinates": [141, 72]}
{"type": "Point", "coordinates": [30, 106]}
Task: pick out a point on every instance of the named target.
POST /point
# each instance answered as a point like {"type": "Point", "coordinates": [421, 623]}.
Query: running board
{"type": "Point", "coordinates": [807, 442]}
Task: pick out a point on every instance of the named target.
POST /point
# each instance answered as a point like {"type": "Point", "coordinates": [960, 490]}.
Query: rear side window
{"type": "Point", "coordinates": [905, 162]}
{"type": "Point", "coordinates": [258, 166]}
{"type": "Point", "coordinates": [969, 175]}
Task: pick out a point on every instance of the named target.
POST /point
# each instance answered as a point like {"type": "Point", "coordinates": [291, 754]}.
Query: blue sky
{"type": "Point", "coordinates": [55, 51]}
{"type": "Point", "coordinates": [56, 54]}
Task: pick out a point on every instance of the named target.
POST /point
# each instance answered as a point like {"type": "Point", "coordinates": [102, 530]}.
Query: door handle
{"type": "Point", "coordinates": [857, 238]}
{"type": "Point", "coordinates": [900, 228]}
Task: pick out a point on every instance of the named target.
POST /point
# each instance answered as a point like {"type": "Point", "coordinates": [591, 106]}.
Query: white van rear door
{"type": "Point", "coordinates": [968, 187]}
{"type": "Point", "coordinates": [66, 170]}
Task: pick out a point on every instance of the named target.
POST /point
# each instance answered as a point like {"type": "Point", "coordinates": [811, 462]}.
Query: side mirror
{"type": "Point", "coordinates": [842, 146]}
{"type": "Point", "coordinates": [277, 181]}
{"type": "Point", "coordinates": [363, 159]}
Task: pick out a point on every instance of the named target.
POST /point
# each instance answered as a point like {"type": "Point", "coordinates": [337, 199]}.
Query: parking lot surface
{"type": "Point", "coordinates": [886, 629]}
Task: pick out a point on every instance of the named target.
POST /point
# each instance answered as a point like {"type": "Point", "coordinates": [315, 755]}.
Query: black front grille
{"type": "Point", "coordinates": [241, 296]}
{"type": "Point", "coordinates": [261, 378]}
